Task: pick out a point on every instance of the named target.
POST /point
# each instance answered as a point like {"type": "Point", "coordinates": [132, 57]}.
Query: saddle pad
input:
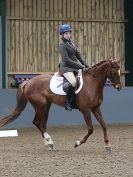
{"type": "Point", "coordinates": [56, 84]}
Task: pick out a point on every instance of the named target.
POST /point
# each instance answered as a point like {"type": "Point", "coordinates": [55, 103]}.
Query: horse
{"type": "Point", "coordinates": [37, 91]}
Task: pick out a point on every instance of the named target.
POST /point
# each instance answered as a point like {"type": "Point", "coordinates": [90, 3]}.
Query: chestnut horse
{"type": "Point", "coordinates": [37, 92]}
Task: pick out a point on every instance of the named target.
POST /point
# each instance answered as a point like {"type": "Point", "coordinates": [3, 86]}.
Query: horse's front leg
{"type": "Point", "coordinates": [97, 113]}
{"type": "Point", "coordinates": [87, 117]}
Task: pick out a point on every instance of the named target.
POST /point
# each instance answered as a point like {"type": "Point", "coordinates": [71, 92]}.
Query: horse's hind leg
{"type": "Point", "coordinates": [97, 113]}
{"type": "Point", "coordinates": [40, 121]}
{"type": "Point", "coordinates": [87, 117]}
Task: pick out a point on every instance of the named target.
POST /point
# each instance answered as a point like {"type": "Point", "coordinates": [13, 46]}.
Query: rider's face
{"type": "Point", "coordinates": [67, 35]}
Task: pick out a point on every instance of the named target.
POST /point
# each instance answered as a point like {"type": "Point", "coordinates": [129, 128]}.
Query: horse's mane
{"type": "Point", "coordinates": [96, 66]}
{"type": "Point", "coordinates": [99, 64]}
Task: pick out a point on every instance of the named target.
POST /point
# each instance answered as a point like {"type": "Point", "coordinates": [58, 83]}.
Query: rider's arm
{"type": "Point", "coordinates": [78, 55]}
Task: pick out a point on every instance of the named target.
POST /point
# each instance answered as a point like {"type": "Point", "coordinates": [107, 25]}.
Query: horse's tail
{"type": "Point", "coordinates": [21, 104]}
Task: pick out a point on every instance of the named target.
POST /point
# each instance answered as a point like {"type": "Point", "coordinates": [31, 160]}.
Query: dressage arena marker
{"type": "Point", "coordinates": [8, 133]}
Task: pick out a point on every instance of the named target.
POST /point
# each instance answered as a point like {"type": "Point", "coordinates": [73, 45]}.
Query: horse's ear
{"type": "Point", "coordinates": [116, 60]}
{"type": "Point", "coordinates": [111, 59]}
{"type": "Point", "coordinates": [119, 60]}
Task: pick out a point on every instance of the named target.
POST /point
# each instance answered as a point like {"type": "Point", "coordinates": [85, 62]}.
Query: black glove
{"type": "Point", "coordinates": [87, 66]}
{"type": "Point", "coordinates": [81, 66]}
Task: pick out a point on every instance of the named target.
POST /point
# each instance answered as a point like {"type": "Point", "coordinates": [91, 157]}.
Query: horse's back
{"type": "Point", "coordinates": [41, 77]}
{"type": "Point", "coordinates": [38, 83]}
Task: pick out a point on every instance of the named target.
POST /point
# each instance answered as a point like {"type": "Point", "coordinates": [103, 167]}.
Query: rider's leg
{"type": "Point", "coordinates": [70, 93]}
{"type": "Point", "coordinates": [71, 78]}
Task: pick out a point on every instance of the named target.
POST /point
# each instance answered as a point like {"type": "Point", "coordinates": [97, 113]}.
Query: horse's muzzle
{"type": "Point", "coordinates": [118, 87]}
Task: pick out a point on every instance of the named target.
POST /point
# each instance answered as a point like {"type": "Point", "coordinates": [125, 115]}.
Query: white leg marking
{"type": "Point", "coordinates": [48, 138]}
{"type": "Point", "coordinates": [108, 147]}
{"type": "Point", "coordinates": [49, 141]}
{"type": "Point", "coordinates": [77, 143]}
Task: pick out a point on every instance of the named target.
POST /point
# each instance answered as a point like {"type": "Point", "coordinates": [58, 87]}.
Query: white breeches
{"type": "Point", "coordinates": [71, 78]}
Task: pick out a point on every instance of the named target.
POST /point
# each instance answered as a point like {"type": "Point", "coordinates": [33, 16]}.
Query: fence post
{"type": "Point", "coordinates": [0, 54]}
{"type": "Point", "coordinates": [3, 43]}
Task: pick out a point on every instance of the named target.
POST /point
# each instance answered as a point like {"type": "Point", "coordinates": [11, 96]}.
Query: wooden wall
{"type": "Point", "coordinates": [98, 29]}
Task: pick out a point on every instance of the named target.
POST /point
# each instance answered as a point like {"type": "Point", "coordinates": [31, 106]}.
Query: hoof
{"type": "Point", "coordinates": [77, 143]}
{"type": "Point", "coordinates": [108, 148]}
{"type": "Point", "coordinates": [51, 147]}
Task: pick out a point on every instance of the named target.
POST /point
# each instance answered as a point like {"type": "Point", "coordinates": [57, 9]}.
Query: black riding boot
{"type": "Point", "coordinates": [69, 98]}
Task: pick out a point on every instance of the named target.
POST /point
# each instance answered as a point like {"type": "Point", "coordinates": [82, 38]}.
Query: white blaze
{"type": "Point", "coordinates": [119, 72]}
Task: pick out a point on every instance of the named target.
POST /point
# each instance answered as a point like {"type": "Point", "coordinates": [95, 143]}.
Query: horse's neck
{"type": "Point", "coordinates": [99, 72]}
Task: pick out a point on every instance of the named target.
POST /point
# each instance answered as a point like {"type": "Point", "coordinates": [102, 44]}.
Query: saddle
{"type": "Point", "coordinates": [59, 85]}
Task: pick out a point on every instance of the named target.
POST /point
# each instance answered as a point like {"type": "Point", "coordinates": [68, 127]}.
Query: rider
{"type": "Point", "coordinates": [71, 61]}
